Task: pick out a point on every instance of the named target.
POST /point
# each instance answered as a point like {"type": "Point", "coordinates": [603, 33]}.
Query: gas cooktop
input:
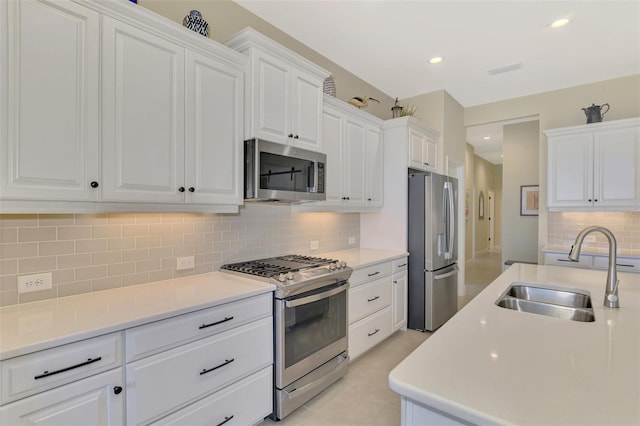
{"type": "Point", "coordinates": [292, 273]}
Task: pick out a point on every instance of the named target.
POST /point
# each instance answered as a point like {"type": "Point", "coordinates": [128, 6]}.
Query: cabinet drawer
{"type": "Point", "coordinates": [166, 381]}
{"type": "Point", "coordinates": [90, 401]}
{"type": "Point", "coordinates": [369, 298]}
{"type": "Point", "coordinates": [562, 259]}
{"type": "Point", "coordinates": [623, 264]}
{"type": "Point", "coordinates": [152, 338]}
{"type": "Point", "coordinates": [369, 273]}
{"type": "Point", "coordinates": [244, 403]}
{"type": "Point", "coordinates": [39, 371]}
{"type": "Point", "coordinates": [398, 265]}
{"type": "Point", "coordinates": [367, 333]}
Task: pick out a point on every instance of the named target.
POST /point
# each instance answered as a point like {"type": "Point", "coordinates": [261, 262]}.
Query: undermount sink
{"type": "Point", "coordinates": [559, 302]}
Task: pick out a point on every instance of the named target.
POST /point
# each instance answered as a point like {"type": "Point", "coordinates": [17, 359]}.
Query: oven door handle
{"type": "Point", "coordinates": [309, 299]}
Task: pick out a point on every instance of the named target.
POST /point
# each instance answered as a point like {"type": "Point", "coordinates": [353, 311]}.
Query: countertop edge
{"type": "Point", "coordinates": [358, 258]}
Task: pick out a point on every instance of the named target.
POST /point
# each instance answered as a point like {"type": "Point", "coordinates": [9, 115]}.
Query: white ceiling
{"type": "Point", "coordinates": [387, 42]}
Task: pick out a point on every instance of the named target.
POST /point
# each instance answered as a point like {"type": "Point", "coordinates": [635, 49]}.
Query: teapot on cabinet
{"type": "Point", "coordinates": [595, 113]}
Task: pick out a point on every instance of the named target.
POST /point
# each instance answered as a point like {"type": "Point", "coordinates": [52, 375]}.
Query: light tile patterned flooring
{"type": "Point", "coordinates": [363, 396]}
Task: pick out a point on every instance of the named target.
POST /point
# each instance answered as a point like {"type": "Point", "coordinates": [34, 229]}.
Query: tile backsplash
{"type": "Point", "coordinates": [93, 252]}
{"type": "Point", "coordinates": [565, 226]}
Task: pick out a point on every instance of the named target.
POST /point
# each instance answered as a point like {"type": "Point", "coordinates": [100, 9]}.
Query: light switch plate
{"type": "Point", "coordinates": [352, 240]}
{"type": "Point", "coordinates": [314, 245]}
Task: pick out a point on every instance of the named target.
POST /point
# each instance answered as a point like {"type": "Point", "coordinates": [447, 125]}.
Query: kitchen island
{"type": "Point", "coordinates": [490, 365]}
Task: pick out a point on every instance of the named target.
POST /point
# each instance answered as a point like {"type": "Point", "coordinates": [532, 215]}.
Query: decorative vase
{"type": "Point", "coordinates": [194, 22]}
{"type": "Point", "coordinates": [329, 86]}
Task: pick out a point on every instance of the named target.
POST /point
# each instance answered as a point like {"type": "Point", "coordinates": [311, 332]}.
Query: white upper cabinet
{"type": "Point", "coordinates": [143, 112]}
{"type": "Point", "coordinates": [115, 108]}
{"type": "Point", "coordinates": [284, 93]}
{"type": "Point", "coordinates": [352, 140]}
{"type": "Point", "coordinates": [172, 121]}
{"type": "Point", "coordinates": [49, 115]}
{"type": "Point", "coordinates": [423, 147]}
{"type": "Point", "coordinates": [594, 166]}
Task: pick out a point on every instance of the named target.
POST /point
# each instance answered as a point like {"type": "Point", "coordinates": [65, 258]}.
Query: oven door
{"type": "Point", "coordinates": [311, 329]}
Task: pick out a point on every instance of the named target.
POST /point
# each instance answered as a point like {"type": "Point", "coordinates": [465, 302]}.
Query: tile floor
{"type": "Point", "coordinates": [362, 396]}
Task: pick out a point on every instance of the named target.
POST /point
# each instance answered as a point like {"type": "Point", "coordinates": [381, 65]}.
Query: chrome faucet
{"type": "Point", "coordinates": [611, 291]}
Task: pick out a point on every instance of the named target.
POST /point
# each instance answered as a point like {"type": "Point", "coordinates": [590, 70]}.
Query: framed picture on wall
{"type": "Point", "coordinates": [529, 200]}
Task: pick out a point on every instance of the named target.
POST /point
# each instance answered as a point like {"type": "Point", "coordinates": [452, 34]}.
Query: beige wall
{"type": "Point", "coordinates": [561, 108]}
{"type": "Point", "coordinates": [520, 167]}
{"type": "Point", "coordinates": [88, 253]}
{"type": "Point", "coordinates": [226, 18]}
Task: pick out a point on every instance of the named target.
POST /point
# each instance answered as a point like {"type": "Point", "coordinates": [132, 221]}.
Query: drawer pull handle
{"type": "Point", "coordinates": [215, 323]}
{"type": "Point", "coordinates": [375, 298]}
{"type": "Point", "coordinates": [62, 370]}
{"type": "Point", "coordinates": [375, 332]}
{"type": "Point", "coordinates": [402, 266]}
{"type": "Point", "coordinates": [625, 264]}
{"type": "Point", "coordinates": [565, 260]}
{"type": "Point", "coordinates": [226, 419]}
{"type": "Point", "coordinates": [375, 273]}
{"type": "Point", "coordinates": [226, 362]}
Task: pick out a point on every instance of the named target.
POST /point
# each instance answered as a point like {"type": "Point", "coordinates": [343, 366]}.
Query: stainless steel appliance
{"type": "Point", "coordinates": [310, 320]}
{"type": "Point", "coordinates": [275, 172]}
{"type": "Point", "coordinates": [433, 250]}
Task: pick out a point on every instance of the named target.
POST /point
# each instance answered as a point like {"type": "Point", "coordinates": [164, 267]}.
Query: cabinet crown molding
{"type": "Point", "coordinates": [351, 110]}
{"type": "Point", "coordinates": [592, 127]}
{"type": "Point", "coordinates": [409, 121]}
{"type": "Point", "coordinates": [250, 38]}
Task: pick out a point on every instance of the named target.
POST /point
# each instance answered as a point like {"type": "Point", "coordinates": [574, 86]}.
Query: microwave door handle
{"type": "Point", "coordinates": [315, 177]}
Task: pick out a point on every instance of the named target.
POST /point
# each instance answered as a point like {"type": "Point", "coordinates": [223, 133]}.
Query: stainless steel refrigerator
{"type": "Point", "coordinates": [433, 250]}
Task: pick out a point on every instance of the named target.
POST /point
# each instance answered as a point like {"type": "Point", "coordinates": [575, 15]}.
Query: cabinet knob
{"type": "Point", "coordinates": [181, 189]}
{"type": "Point", "coordinates": [94, 184]}
{"type": "Point", "coordinates": [192, 189]}
{"type": "Point", "coordinates": [290, 135]}
{"type": "Point", "coordinates": [296, 137]}
{"type": "Point", "coordinates": [426, 164]}
{"type": "Point", "coordinates": [596, 200]}
{"type": "Point", "coordinates": [368, 199]}
{"type": "Point", "coordinates": [589, 200]}
{"type": "Point", "coordinates": [117, 390]}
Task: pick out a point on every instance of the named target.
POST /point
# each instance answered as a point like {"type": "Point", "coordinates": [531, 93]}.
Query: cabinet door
{"type": "Point", "coordinates": [416, 145]}
{"type": "Point", "coordinates": [50, 67]}
{"type": "Point", "coordinates": [570, 174]}
{"type": "Point", "coordinates": [213, 138]}
{"type": "Point", "coordinates": [270, 118]}
{"type": "Point", "coordinates": [374, 167]}
{"type": "Point", "coordinates": [92, 401]}
{"type": "Point", "coordinates": [430, 154]}
{"type": "Point", "coordinates": [355, 142]}
{"type": "Point", "coordinates": [617, 168]}
{"type": "Point", "coordinates": [399, 303]}
{"type": "Point", "coordinates": [307, 111]}
{"type": "Point", "coordinates": [333, 133]}
{"type": "Point", "coordinates": [143, 115]}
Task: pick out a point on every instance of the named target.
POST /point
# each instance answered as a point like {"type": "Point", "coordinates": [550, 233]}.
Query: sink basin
{"type": "Point", "coordinates": [566, 303]}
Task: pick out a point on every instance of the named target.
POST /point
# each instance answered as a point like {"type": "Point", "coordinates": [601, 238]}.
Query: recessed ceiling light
{"type": "Point", "coordinates": [436, 60]}
{"type": "Point", "coordinates": [559, 23]}
{"type": "Point", "coordinates": [486, 138]}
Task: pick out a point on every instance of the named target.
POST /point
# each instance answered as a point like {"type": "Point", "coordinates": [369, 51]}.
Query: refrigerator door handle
{"type": "Point", "coordinates": [447, 275]}
{"type": "Point", "coordinates": [450, 216]}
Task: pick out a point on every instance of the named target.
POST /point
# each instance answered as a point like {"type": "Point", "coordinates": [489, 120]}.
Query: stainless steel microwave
{"type": "Point", "coordinates": [275, 172]}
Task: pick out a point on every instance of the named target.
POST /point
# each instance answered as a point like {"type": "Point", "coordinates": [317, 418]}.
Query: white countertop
{"type": "Point", "coordinates": [40, 325]}
{"type": "Point", "coordinates": [598, 251]}
{"type": "Point", "coordinates": [362, 257]}
{"type": "Point", "coordinates": [492, 365]}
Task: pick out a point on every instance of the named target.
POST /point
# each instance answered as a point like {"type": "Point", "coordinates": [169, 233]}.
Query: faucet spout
{"type": "Point", "coordinates": [611, 292]}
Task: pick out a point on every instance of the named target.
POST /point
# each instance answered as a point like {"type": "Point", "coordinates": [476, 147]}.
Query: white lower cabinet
{"type": "Point", "coordinates": [243, 403]}
{"type": "Point", "coordinates": [97, 400]}
{"type": "Point", "coordinates": [163, 383]}
{"type": "Point", "coordinates": [377, 304]}
{"type": "Point", "coordinates": [210, 366]}
{"type": "Point", "coordinates": [593, 261]}
{"type": "Point", "coordinates": [399, 282]}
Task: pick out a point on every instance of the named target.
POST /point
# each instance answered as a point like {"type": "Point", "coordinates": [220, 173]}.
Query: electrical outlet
{"type": "Point", "coordinates": [314, 245]}
{"type": "Point", "coordinates": [590, 239]}
{"type": "Point", "coordinates": [187, 262]}
{"type": "Point", "coordinates": [35, 282]}
{"type": "Point", "coordinates": [352, 240]}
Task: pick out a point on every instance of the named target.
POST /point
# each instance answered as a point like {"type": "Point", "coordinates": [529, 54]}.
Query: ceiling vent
{"type": "Point", "coordinates": [508, 68]}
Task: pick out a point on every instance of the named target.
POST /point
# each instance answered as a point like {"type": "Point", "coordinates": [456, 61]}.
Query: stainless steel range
{"type": "Point", "coordinates": [310, 310]}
